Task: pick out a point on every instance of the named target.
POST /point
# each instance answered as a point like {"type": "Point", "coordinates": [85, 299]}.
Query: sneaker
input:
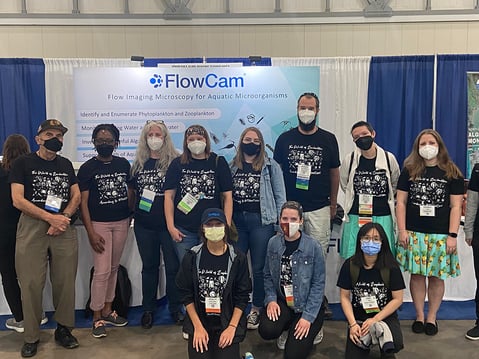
{"type": "Point", "coordinates": [319, 337]}
{"type": "Point", "coordinates": [473, 334]}
{"type": "Point", "coordinates": [115, 320]}
{"type": "Point", "coordinates": [281, 342]}
{"type": "Point", "coordinates": [64, 337]}
{"type": "Point", "coordinates": [186, 336]}
{"type": "Point", "coordinates": [98, 330]}
{"type": "Point", "coordinates": [44, 319]}
{"type": "Point", "coordinates": [11, 323]}
{"type": "Point", "coordinates": [253, 320]}
{"type": "Point", "coordinates": [147, 320]}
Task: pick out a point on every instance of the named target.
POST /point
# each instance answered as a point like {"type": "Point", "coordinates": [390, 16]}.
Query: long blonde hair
{"type": "Point", "coordinates": [167, 153]}
{"type": "Point", "coordinates": [416, 165]}
{"type": "Point", "coordinates": [259, 160]}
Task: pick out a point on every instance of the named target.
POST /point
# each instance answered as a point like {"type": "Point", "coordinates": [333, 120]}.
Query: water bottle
{"type": "Point", "coordinates": [248, 355]}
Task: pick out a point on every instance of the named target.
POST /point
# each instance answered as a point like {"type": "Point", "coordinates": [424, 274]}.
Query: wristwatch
{"type": "Point", "coordinates": [452, 234]}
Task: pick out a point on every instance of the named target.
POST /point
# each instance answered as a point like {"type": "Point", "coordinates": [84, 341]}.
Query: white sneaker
{"type": "Point", "coordinates": [281, 341]}
{"type": "Point", "coordinates": [11, 323]}
{"type": "Point", "coordinates": [186, 336]}
{"type": "Point", "coordinates": [319, 337]}
{"type": "Point", "coordinates": [252, 321]}
{"type": "Point", "coordinates": [44, 319]}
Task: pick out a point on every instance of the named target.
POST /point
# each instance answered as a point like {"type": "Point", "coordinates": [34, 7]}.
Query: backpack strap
{"type": "Point", "coordinates": [386, 276]}
{"type": "Point", "coordinates": [351, 164]}
{"type": "Point", "coordinates": [386, 153]}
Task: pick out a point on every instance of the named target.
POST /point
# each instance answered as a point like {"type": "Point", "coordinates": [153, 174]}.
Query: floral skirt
{"type": "Point", "coordinates": [426, 255]}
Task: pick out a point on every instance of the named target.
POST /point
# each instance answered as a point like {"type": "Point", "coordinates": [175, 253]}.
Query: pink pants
{"type": "Point", "coordinates": [106, 264]}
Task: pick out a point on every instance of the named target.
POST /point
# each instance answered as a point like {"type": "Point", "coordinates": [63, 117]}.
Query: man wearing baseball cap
{"type": "Point", "coordinates": [44, 188]}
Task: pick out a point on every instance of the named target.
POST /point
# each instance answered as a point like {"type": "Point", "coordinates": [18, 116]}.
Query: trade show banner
{"type": "Point", "coordinates": [225, 100]}
{"type": "Point", "coordinates": [472, 121]}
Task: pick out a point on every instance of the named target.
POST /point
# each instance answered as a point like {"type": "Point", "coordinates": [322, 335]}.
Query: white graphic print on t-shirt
{"type": "Point", "coordinates": [373, 183]}
{"type": "Point", "coordinates": [46, 183]}
{"type": "Point", "coordinates": [305, 155]}
{"type": "Point", "coordinates": [363, 289]}
{"type": "Point", "coordinates": [112, 187]}
{"type": "Point", "coordinates": [246, 187]}
{"type": "Point", "coordinates": [428, 191]}
{"type": "Point", "coordinates": [198, 183]}
{"type": "Point", "coordinates": [152, 180]}
{"type": "Point", "coordinates": [211, 283]}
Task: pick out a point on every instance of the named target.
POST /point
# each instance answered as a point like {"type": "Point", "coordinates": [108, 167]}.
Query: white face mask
{"type": "Point", "coordinates": [290, 229]}
{"type": "Point", "coordinates": [214, 234]}
{"type": "Point", "coordinates": [155, 143]}
{"type": "Point", "coordinates": [306, 116]}
{"type": "Point", "coordinates": [428, 152]}
{"type": "Point", "coordinates": [197, 147]}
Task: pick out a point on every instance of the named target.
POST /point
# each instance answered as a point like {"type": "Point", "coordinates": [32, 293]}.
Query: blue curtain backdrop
{"type": "Point", "coordinates": [400, 100]}
{"type": "Point", "coordinates": [22, 93]}
{"type": "Point", "coordinates": [451, 103]}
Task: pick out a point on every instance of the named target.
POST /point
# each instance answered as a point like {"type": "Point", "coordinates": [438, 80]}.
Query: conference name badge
{"type": "Point", "coordinates": [288, 292]}
{"type": "Point", "coordinates": [213, 305]}
{"type": "Point", "coordinates": [427, 211]}
{"type": "Point", "coordinates": [146, 200]}
{"type": "Point", "coordinates": [187, 203]}
{"type": "Point", "coordinates": [370, 304]}
{"type": "Point", "coordinates": [53, 203]}
{"type": "Point", "coordinates": [302, 176]}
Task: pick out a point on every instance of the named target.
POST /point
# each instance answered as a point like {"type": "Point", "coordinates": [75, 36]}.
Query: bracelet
{"type": "Point", "coordinates": [402, 230]}
{"type": "Point", "coordinates": [352, 325]}
{"type": "Point", "coordinates": [232, 325]}
{"type": "Point", "coordinates": [452, 235]}
{"type": "Point", "coordinates": [66, 214]}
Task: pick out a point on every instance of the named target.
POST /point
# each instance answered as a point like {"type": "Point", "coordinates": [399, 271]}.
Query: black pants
{"type": "Point", "coordinates": [214, 351]}
{"type": "Point", "coordinates": [294, 348]}
{"type": "Point", "coordinates": [355, 352]}
{"type": "Point", "coordinates": [475, 254]}
{"type": "Point", "coordinates": [9, 275]}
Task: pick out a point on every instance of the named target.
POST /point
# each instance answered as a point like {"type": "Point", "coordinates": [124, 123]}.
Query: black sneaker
{"type": "Point", "coordinates": [64, 337]}
{"type": "Point", "coordinates": [473, 334]}
{"type": "Point", "coordinates": [29, 349]}
{"type": "Point", "coordinates": [147, 320]}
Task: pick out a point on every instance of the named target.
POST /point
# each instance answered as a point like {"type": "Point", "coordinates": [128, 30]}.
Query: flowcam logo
{"type": "Point", "coordinates": [210, 80]}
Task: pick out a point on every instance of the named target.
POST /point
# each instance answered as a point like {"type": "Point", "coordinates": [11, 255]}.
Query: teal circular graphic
{"type": "Point", "coordinates": [156, 81]}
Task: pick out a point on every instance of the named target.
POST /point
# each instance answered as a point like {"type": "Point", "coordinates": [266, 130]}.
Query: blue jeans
{"type": "Point", "coordinates": [189, 241]}
{"type": "Point", "coordinates": [149, 244]}
{"type": "Point", "coordinates": [253, 236]}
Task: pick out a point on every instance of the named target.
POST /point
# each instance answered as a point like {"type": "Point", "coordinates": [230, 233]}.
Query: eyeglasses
{"type": "Point", "coordinates": [158, 122]}
{"type": "Point", "coordinates": [98, 142]}
{"type": "Point", "coordinates": [371, 239]}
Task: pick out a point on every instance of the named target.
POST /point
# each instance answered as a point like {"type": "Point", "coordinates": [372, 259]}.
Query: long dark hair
{"type": "Point", "coordinates": [14, 146]}
{"type": "Point", "coordinates": [385, 257]}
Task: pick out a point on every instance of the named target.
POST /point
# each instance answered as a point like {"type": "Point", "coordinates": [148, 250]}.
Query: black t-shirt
{"type": "Point", "coordinates": [474, 186]}
{"type": "Point", "coordinates": [432, 189]}
{"type": "Point", "coordinates": [9, 215]}
{"type": "Point", "coordinates": [212, 277]}
{"type": "Point", "coordinates": [205, 180]}
{"type": "Point", "coordinates": [42, 178]}
{"type": "Point", "coordinates": [320, 151]}
{"type": "Point", "coordinates": [369, 180]}
{"type": "Point", "coordinates": [286, 275]}
{"type": "Point", "coordinates": [246, 183]}
{"type": "Point", "coordinates": [369, 283]}
{"type": "Point", "coordinates": [107, 186]}
{"type": "Point", "coordinates": [152, 179]}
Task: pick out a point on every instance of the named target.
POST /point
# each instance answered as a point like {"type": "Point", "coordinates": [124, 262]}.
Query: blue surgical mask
{"type": "Point", "coordinates": [370, 248]}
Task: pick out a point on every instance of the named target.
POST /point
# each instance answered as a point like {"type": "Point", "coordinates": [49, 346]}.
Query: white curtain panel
{"type": "Point", "coordinates": [60, 99]}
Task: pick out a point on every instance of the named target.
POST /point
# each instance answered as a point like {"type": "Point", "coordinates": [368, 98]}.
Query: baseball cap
{"type": "Point", "coordinates": [51, 124]}
{"type": "Point", "coordinates": [213, 213]}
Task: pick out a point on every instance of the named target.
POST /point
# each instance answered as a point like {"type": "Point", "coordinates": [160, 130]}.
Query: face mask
{"type": "Point", "coordinates": [197, 147]}
{"type": "Point", "coordinates": [155, 143]}
{"type": "Point", "coordinates": [249, 148]}
{"type": "Point", "coordinates": [306, 116]}
{"type": "Point", "coordinates": [370, 247]}
{"type": "Point", "coordinates": [214, 234]}
{"type": "Point", "coordinates": [289, 229]}
{"type": "Point", "coordinates": [364, 143]}
{"type": "Point", "coordinates": [105, 150]}
{"type": "Point", "coordinates": [53, 144]}
{"type": "Point", "coordinates": [428, 152]}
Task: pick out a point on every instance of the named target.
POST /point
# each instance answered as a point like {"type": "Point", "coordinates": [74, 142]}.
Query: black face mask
{"type": "Point", "coordinates": [364, 143]}
{"type": "Point", "coordinates": [250, 149]}
{"type": "Point", "coordinates": [53, 144]}
{"type": "Point", "coordinates": [105, 150]}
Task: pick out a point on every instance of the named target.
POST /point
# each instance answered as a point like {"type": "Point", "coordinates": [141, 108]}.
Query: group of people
{"type": "Point", "coordinates": [206, 215]}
